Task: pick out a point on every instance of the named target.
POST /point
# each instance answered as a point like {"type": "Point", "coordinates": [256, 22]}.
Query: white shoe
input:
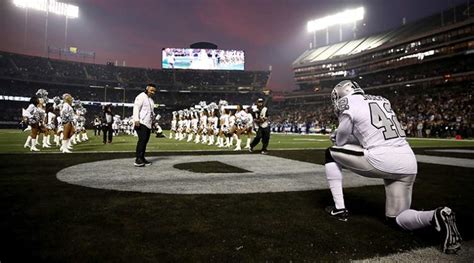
{"type": "Point", "coordinates": [34, 149]}
{"type": "Point", "coordinates": [65, 151]}
{"type": "Point", "coordinates": [238, 149]}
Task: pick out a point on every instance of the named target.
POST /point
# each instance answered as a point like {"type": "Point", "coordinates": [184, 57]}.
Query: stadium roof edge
{"type": "Point", "coordinates": [401, 32]}
{"type": "Point", "coordinates": [383, 46]}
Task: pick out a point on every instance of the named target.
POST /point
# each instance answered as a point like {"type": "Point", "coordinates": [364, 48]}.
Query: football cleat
{"type": "Point", "coordinates": [444, 222]}
{"type": "Point", "coordinates": [146, 162]}
{"type": "Point", "coordinates": [139, 163]}
{"type": "Point", "coordinates": [340, 214]}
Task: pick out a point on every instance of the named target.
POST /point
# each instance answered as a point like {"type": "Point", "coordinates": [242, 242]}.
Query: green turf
{"type": "Point", "coordinates": [11, 141]}
{"type": "Point", "coordinates": [46, 220]}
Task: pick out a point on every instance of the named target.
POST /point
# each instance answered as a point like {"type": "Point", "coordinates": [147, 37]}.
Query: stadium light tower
{"type": "Point", "coordinates": [341, 18]}
{"type": "Point", "coordinates": [67, 10]}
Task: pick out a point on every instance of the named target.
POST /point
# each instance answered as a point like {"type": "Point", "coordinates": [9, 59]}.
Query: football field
{"type": "Point", "coordinates": [11, 141]}
{"type": "Point", "coordinates": [203, 203]}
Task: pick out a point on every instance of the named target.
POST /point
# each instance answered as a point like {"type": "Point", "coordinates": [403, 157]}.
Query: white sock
{"type": "Point", "coordinates": [33, 143]}
{"type": "Point", "coordinates": [238, 143]}
{"type": "Point", "coordinates": [334, 177]}
{"type": "Point", "coordinates": [248, 142]}
{"type": "Point", "coordinates": [411, 219]}
{"type": "Point", "coordinates": [64, 145]}
{"type": "Point", "coordinates": [28, 141]}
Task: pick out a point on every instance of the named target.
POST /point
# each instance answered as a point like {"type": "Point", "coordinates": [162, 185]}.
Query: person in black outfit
{"type": "Point", "coordinates": [107, 124]}
{"type": "Point", "coordinates": [143, 117]}
{"type": "Point", "coordinates": [260, 117]}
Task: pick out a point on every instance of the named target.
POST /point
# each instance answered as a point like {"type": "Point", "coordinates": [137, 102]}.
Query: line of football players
{"type": "Point", "coordinates": [64, 121]}
{"type": "Point", "coordinates": [213, 124]}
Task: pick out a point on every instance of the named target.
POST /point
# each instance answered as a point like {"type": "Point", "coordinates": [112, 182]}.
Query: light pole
{"type": "Point", "coordinates": [26, 28]}
{"type": "Point", "coordinates": [46, 29]}
{"type": "Point", "coordinates": [65, 34]}
{"type": "Point", "coordinates": [123, 100]}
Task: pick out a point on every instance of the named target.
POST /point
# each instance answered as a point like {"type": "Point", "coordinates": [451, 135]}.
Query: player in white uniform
{"type": "Point", "coordinates": [116, 124]}
{"type": "Point", "coordinates": [174, 121]}
{"type": "Point", "coordinates": [202, 131]}
{"type": "Point", "coordinates": [188, 129]}
{"type": "Point", "coordinates": [194, 126]}
{"type": "Point", "coordinates": [369, 141]}
{"type": "Point", "coordinates": [180, 129]}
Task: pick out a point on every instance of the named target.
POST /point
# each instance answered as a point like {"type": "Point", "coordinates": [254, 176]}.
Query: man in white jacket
{"type": "Point", "coordinates": [143, 116]}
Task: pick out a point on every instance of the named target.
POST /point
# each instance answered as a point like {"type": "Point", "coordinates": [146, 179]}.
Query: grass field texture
{"type": "Point", "coordinates": [46, 220]}
{"type": "Point", "coordinates": [12, 141]}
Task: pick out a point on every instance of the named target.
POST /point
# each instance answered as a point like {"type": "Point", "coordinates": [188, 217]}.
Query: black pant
{"type": "Point", "coordinates": [143, 136]}
{"type": "Point", "coordinates": [97, 130]}
{"type": "Point", "coordinates": [107, 131]}
{"type": "Point", "coordinates": [264, 134]}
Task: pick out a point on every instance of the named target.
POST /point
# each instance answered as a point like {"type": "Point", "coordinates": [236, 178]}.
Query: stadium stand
{"type": "Point", "coordinates": [437, 39]}
{"type": "Point", "coordinates": [22, 76]}
{"type": "Point", "coordinates": [425, 68]}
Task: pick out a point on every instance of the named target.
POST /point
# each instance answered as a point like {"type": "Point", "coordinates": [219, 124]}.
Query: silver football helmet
{"type": "Point", "coordinates": [342, 89]}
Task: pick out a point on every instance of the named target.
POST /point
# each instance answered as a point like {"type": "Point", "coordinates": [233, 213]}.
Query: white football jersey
{"type": "Point", "coordinates": [376, 127]}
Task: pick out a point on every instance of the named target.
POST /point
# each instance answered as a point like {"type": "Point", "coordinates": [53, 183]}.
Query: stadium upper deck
{"type": "Point", "coordinates": [445, 38]}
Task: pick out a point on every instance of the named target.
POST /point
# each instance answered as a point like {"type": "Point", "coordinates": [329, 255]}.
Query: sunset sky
{"type": "Point", "coordinates": [271, 32]}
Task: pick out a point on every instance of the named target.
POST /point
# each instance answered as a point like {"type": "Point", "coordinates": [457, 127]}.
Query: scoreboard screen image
{"type": "Point", "coordinates": [204, 59]}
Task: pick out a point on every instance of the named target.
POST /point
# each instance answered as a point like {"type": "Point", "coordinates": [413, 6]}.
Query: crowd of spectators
{"type": "Point", "coordinates": [60, 71]}
{"type": "Point", "coordinates": [439, 112]}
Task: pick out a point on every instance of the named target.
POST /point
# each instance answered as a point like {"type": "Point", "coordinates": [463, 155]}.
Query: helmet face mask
{"type": "Point", "coordinates": [343, 89]}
